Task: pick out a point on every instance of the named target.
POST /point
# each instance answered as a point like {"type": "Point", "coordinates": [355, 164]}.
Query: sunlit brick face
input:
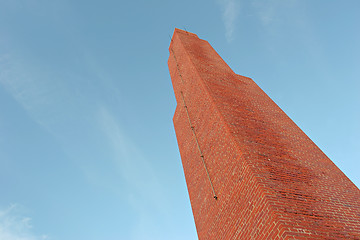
{"type": "Point", "coordinates": [251, 172]}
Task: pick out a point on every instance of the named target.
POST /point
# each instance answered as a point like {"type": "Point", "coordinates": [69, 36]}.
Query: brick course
{"type": "Point", "coordinates": [271, 180]}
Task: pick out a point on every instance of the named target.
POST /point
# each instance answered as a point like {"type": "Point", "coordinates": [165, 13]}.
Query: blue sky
{"type": "Point", "coordinates": [87, 145]}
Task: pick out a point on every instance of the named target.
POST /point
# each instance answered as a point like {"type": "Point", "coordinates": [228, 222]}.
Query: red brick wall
{"type": "Point", "coordinates": [271, 180]}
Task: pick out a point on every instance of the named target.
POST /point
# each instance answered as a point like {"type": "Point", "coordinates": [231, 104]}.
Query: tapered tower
{"type": "Point", "coordinates": [251, 172]}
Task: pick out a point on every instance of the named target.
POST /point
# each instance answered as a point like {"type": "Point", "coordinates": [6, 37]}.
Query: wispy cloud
{"type": "Point", "coordinates": [14, 226]}
{"type": "Point", "coordinates": [230, 9]}
{"type": "Point", "coordinates": [36, 93]}
{"type": "Point", "coordinates": [265, 10]}
{"type": "Point", "coordinates": [128, 160]}
{"type": "Point", "coordinates": [134, 176]}
{"type": "Point", "coordinates": [271, 11]}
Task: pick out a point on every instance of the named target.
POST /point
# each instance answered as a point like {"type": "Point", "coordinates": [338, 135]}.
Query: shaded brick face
{"type": "Point", "coordinates": [270, 179]}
